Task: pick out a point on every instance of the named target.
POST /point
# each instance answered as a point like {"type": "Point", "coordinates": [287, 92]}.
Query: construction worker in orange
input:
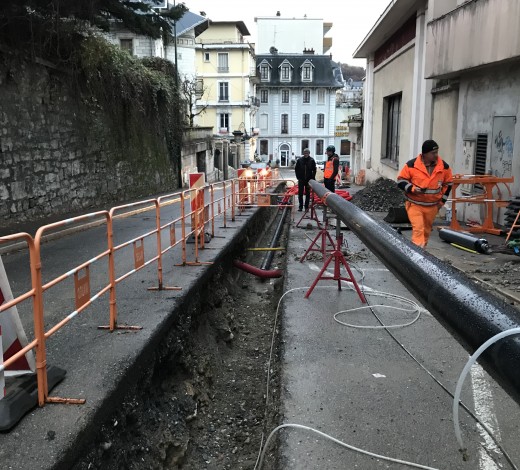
{"type": "Point", "coordinates": [331, 169]}
{"type": "Point", "coordinates": [426, 181]}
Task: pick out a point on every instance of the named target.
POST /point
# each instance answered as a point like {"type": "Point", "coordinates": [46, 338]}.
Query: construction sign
{"type": "Point", "coordinates": [243, 193]}
{"type": "Point", "coordinates": [12, 334]}
{"type": "Point", "coordinates": [197, 184]}
{"type": "Point", "coordinates": [2, 379]}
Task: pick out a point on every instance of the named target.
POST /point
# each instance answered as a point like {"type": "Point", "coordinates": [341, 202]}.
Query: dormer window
{"type": "Point", "coordinates": [265, 72]}
{"type": "Point", "coordinates": [307, 72]}
{"type": "Point", "coordinates": [286, 73]}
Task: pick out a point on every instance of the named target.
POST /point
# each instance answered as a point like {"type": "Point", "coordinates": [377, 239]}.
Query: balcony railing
{"type": "Point", "coordinates": [223, 69]}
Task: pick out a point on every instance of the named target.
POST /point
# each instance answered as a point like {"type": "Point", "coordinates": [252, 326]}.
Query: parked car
{"type": "Point", "coordinates": [320, 163]}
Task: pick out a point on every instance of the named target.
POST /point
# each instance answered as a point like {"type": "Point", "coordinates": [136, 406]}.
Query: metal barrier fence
{"type": "Point", "coordinates": [226, 198]}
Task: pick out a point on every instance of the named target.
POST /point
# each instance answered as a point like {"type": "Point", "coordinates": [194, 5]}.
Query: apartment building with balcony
{"type": "Point", "coordinates": [225, 64]}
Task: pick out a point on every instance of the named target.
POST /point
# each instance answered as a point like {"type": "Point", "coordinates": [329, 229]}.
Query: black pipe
{"type": "Point", "coordinates": [268, 258]}
{"type": "Point", "coordinates": [466, 240]}
{"type": "Point", "coordinates": [468, 312]}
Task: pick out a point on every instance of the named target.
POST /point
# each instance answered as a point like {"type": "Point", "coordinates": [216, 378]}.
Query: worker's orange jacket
{"type": "Point", "coordinates": [331, 167]}
{"type": "Point", "coordinates": [423, 188]}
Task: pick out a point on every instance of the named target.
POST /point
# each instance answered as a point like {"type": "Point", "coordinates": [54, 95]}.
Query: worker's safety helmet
{"type": "Point", "coordinates": [331, 148]}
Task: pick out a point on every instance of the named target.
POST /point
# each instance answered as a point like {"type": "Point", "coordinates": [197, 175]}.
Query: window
{"type": "Point", "coordinates": [264, 96]}
{"type": "Point", "coordinates": [223, 121]}
{"type": "Point", "coordinates": [264, 121]}
{"type": "Point", "coordinates": [223, 65]}
{"type": "Point", "coordinates": [264, 72]}
{"type": "Point", "coordinates": [307, 73]}
{"type": "Point", "coordinates": [264, 147]}
{"type": "Point", "coordinates": [199, 88]}
{"type": "Point", "coordinates": [285, 96]}
{"type": "Point", "coordinates": [481, 154]}
{"type": "Point", "coordinates": [305, 145]}
{"type": "Point", "coordinates": [321, 96]}
{"type": "Point", "coordinates": [345, 147]}
{"type": "Point", "coordinates": [306, 96]}
{"type": "Point", "coordinates": [206, 56]}
{"type": "Point", "coordinates": [285, 124]}
{"type": "Point", "coordinates": [320, 121]}
{"type": "Point", "coordinates": [319, 147]}
{"type": "Point", "coordinates": [223, 91]}
{"type": "Point", "coordinates": [480, 160]}
{"type": "Point", "coordinates": [127, 45]}
{"type": "Point", "coordinates": [285, 75]}
{"type": "Point", "coordinates": [392, 124]}
{"type": "Point", "coordinates": [306, 121]}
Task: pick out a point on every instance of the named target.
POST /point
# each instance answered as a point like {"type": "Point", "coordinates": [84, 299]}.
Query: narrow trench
{"type": "Point", "coordinates": [203, 406]}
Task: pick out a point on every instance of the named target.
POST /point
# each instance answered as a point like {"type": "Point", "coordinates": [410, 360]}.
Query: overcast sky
{"type": "Point", "coordinates": [351, 19]}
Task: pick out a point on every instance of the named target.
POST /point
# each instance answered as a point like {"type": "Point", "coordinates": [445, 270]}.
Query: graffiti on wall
{"type": "Point", "coordinates": [501, 163]}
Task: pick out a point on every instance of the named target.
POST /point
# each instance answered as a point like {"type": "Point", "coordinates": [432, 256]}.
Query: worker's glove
{"type": "Point", "coordinates": [416, 189]}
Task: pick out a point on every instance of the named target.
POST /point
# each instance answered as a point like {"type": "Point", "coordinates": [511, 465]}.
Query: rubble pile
{"type": "Point", "coordinates": [379, 196]}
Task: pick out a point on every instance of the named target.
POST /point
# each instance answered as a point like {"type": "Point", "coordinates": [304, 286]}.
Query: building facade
{"type": "Point", "coordinates": [447, 70]}
{"type": "Point", "coordinates": [292, 35]}
{"type": "Point", "coordinates": [225, 69]}
{"type": "Point", "coordinates": [297, 105]}
{"type": "Point", "coordinates": [186, 29]}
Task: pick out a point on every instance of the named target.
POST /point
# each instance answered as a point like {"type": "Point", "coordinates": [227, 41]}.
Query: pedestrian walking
{"type": "Point", "coordinates": [426, 181]}
{"type": "Point", "coordinates": [331, 169]}
{"type": "Point", "coordinates": [305, 170]}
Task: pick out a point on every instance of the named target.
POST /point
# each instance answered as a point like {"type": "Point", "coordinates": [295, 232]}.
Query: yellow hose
{"type": "Point", "coordinates": [266, 249]}
{"type": "Point", "coordinates": [463, 248]}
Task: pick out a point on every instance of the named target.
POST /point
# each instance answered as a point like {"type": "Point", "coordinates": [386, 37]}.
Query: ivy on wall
{"type": "Point", "coordinates": [138, 99]}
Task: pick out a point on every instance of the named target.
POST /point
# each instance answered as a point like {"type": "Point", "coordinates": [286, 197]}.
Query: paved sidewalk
{"type": "Point", "coordinates": [371, 388]}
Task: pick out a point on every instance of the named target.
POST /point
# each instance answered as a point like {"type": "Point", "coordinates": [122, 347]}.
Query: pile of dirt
{"type": "Point", "coordinates": [379, 196]}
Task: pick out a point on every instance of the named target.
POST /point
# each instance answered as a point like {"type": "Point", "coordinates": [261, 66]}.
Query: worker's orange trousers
{"type": "Point", "coordinates": [421, 218]}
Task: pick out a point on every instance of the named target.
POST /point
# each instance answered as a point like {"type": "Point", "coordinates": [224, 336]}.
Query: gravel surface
{"type": "Point", "coordinates": [379, 196]}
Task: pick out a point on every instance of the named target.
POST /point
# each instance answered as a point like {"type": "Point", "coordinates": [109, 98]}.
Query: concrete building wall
{"type": "Point", "coordinates": [289, 35]}
{"type": "Point", "coordinates": [479, 32]}
{"type": "Point", "coordinates": [444, 125]}
{"type": "Point", "coordinates": [391, 78]}
{"type": "Point", "coordinates": [484, 97]}
{"type": "Point", "coordinates": [219, 32]}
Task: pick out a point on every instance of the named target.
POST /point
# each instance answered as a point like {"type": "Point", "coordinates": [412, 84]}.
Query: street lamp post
{"type": "Point", "coordinates": [178, 147]}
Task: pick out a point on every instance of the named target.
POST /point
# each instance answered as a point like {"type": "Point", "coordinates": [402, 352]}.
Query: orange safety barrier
{"type": "Point", "coordinates": [82, 292]}
{"type": "Point", "coordinates": [38, 343]}
{"type": "Point", "coordinates": [80, 274]}
{"type": "Point", "coordinates": [487, 184]}
{"type": "Point", "coordinates": [173, 242]}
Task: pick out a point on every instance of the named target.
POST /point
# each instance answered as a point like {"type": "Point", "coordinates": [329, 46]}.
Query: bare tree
{"type": "Point", "coordinates": [193, 90]}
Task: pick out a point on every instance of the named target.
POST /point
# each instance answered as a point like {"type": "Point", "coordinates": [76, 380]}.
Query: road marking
{"type": "Point", "coordinates": [485, 410]}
